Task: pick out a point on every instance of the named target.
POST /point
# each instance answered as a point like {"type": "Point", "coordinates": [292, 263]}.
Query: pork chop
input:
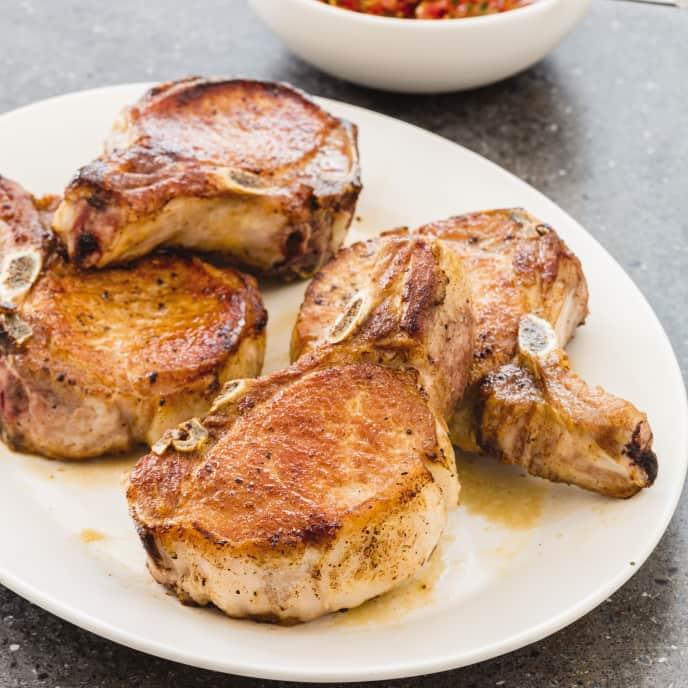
{"type": "Point", "coordinates": [96, 361]}
{"type": "Point", "coordinates": [514, 265]}
{"type": "Point", "coordinates": [304, 492]}
{"type": "Point", "coordinates": [254, 172]}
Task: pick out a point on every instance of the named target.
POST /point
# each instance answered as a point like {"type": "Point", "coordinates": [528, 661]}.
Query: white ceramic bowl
{"type": "Point", "coordinates": [420, 56]}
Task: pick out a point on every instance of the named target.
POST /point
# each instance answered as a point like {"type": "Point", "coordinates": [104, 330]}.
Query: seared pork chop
{"type": "Point", "coordinates": [97, 361]}
{"type": "Point", "coordinates": [304, 492]}
{"type": "Point", "coordinates": [326, 484]}
{"type": "Point", "coordinates": [514, 264]}
{"type": "Point", "coordinates": [540, 415]}
{"type": "Point", "coordinates": [254, 172]}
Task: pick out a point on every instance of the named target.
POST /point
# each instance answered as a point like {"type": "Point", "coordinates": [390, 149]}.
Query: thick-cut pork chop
{"type": "Point", "coordinates": [539, 414]}
{"type": "Point", "coordinates": [97, 361]}
{"type": "Point", "coordinates": [254, 172]}
{"type": "Point", "coordinates": [326, 484]}
{"type": "Point", "coordinates": [304, 492]}
{"type": "Point", "coordinates": [514, 265]}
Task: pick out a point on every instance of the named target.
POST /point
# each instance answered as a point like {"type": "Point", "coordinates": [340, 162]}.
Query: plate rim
{"type": "Point", "coordinates": [436, 664]}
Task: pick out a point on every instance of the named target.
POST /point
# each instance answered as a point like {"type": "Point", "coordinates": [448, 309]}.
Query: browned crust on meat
{"type": "Point", "coordinates": [171, 320]}
{"type": "Point", "coordinates": [329, 293]}
{"type": "Point", "coordinates": [516, 265]}
{"type": "Point", "coordinates": [402, 301]}
{"type": "Point", "coordinates": [132, 347]}
{"type": "Point", "coordinates": [25, 227]}
{"type": "Point", "coordinates": [282, 472]}
{"type": "Point", "coordinates": [215, 138]}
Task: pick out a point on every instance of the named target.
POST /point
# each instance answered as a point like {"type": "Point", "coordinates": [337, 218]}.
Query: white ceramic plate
{"type": "Point", "coordinates": [498, 582]}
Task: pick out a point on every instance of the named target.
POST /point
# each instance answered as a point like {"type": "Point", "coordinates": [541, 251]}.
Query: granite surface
{"type": "Point", "coordinates": [600, 126]}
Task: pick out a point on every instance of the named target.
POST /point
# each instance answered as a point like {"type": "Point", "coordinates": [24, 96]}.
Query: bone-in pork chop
{"type": "Point", "coordinates": [254, 172]}
{"type": "Point", "coordinates": [97, 361]}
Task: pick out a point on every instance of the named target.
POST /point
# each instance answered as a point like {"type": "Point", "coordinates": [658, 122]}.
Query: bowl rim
{"type": "Point", "coordinates": [536, 7]}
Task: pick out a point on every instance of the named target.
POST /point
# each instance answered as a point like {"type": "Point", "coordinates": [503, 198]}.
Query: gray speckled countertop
{"type": "Point", "coordinates": [600, 126]}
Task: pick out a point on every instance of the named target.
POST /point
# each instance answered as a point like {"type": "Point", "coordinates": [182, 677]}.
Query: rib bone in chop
{"type": "Point", "coordinates": [539, 414]}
